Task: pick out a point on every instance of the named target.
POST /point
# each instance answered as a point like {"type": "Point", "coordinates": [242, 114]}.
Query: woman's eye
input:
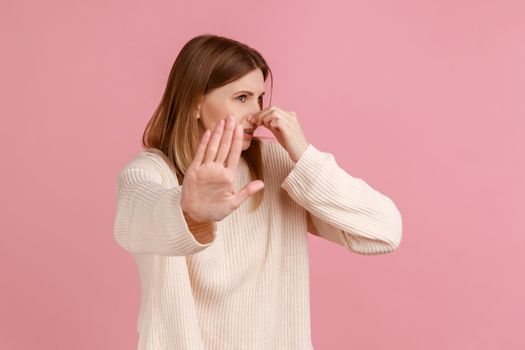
{"type": "Point", "coordinates": [260, 98]}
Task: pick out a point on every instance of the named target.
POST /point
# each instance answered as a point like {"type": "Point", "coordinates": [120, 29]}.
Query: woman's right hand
{"type": "Point", "coordinates": [208, 191]}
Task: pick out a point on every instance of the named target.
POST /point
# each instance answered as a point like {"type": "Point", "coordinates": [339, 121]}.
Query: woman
{"type": "Point", "coordinates": [216, 272]}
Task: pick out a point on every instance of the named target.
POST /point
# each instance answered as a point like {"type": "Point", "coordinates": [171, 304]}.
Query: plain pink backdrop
{"type": "Point", "coordinates": [422, 99]}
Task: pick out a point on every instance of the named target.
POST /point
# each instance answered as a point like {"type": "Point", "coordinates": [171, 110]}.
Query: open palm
{"type": "Point", "coordinates": [208, 190]}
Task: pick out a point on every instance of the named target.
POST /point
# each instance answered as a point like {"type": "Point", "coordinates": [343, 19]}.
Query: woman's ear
{"type": "Point", "coordinates": [198, 115]}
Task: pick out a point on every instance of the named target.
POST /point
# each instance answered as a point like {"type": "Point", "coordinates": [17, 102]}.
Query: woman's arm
{"type": "Point", "coordinates": [342, 208]}
{"type": "Point", "coordinates": [150, 220]}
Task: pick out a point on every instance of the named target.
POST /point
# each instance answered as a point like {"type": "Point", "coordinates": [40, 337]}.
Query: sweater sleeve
{"type": "Point", "coordinates": [149, 218]}
{"type": "Point", "coordinates": [342, 208]}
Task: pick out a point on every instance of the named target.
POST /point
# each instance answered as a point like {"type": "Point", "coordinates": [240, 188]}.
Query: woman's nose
{"type": "Point", "coordinates": [249, 119]}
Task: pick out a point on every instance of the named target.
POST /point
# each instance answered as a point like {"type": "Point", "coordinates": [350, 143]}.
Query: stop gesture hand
{"type": "Point", "coordinates": [208, 191]}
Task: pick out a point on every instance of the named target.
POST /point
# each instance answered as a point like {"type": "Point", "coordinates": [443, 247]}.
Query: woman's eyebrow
{"type": "Point", "coordinates": [247, 92]}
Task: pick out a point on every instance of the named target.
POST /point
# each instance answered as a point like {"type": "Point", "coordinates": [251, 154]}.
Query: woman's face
{"type": "Point", "coordinates": [240, 98]}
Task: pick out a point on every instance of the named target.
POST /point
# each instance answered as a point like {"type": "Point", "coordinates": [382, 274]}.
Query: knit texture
{"type": "Point", "coordinates": [248, 286]}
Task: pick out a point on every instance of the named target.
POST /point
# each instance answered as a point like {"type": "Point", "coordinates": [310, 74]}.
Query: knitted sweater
{"type": "Point", "coordinates": [242, 283]}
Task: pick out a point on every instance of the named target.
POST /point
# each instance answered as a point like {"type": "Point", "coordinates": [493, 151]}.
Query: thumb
{"type": "Point", "coordinates": [248, 190]}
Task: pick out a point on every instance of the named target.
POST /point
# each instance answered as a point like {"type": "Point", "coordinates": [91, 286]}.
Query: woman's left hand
{"type": "Point", "coordinates": [285, 126]}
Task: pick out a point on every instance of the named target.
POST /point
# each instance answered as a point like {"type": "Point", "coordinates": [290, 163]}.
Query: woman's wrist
{"type": "Point", "coordinates": [202, 231]}
{"type": "Point", "coordinates": [192, 221]}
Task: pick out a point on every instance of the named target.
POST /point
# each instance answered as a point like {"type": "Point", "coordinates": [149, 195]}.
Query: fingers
{"type": "Point", "coordinates": [264, 116]}
{"type": "Point", "coordinates": [248, 190]}
{"type": "Point", "coordinates": [272, 119]}
{"type": "Point", "coordinates": [213, 145]}
{"type": "Point", "coordinates": [226, 140]}
{"type": "Point", "coordinates": [199, 153]}
{"type": "Point", "coordinates": [236, 148]}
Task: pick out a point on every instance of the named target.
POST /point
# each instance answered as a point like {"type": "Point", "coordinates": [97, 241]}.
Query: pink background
{"type": "Point", "coordinates": [422, 99]}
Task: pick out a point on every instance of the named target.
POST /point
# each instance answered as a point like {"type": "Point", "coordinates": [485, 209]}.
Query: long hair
{"type": "Point", "coordinates": [206, 62]}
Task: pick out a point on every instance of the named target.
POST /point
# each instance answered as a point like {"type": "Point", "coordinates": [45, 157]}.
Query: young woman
{"type": "Point", "coordinates": [217, 219]}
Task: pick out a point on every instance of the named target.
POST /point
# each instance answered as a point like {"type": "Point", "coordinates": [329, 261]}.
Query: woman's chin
{"type": "Point", "coordinates": [246, 143]}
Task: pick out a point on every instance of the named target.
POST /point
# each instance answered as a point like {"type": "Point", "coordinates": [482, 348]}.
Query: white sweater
{"type": "Point", "coordinates": [248, 288]}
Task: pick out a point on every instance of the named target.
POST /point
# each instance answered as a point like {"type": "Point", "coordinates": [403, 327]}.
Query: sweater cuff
{"type": "Point", "coordinates": [204, 232]}
{"type": "Point", "coordinates": [308, 162]}
{"type": "Point", "coordinates": [194, 236]}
